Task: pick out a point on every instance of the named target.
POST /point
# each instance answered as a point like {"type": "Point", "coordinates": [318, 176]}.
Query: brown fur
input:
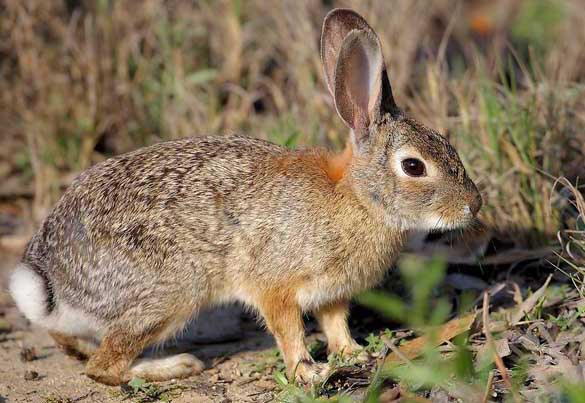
{"type": "Point", "coordinates": [111, 362]}
{"type": "Point", "coordinates": [333, 320]}
{"type": "Point", "coordinates": [283, 318]}
{"type": "Point", "coordinates": [73, 346]}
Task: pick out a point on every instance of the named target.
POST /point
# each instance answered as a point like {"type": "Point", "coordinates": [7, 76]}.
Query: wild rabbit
{"type": "Point", "coordinates": [141, 242]}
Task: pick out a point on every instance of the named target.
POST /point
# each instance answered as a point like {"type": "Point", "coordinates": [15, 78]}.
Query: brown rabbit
{"type": "Point", "coordinates": [141, 242]}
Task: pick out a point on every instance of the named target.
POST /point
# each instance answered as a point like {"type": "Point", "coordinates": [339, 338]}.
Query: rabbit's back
{"type": "Point", "coordinates": [161, 218]}
{"type": "Point", "coordinates": [190, 222]}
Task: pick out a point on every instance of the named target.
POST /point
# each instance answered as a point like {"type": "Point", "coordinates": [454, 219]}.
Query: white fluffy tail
{"type": "Point", "coordinates": [30, 292]}
{"type": "Point", "coordinates": [28, 289]}
{"type": "Point", "coordinates": [162, 369]}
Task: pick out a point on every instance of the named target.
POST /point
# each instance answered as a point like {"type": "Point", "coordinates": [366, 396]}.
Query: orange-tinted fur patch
{"type": "Point", "coordinates": [336, 164]}
{"type": "Point", "coordinates": [283, 318]}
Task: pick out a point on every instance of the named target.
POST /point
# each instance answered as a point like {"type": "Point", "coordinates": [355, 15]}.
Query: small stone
{"type": "Point", "coordinates": [266, 384]}
{"type": "Point", "coordinates": [30, 375]}
{"type": "Point", "coordinates": [265, 398]}
{"type": "Point", "coordinates": [5, 327]}
{"type": "Point", "coordinates": [28, 354]}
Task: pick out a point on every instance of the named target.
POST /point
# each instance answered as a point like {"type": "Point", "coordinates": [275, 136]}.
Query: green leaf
{"type": "Point", "coordinates": [389, 305]}
{"type": "Point", "coordinates": [201, 76]}
{"type": "Point", "coordinates": [280, 378]}
{"type": "Point", "coordinates": [136, 383]}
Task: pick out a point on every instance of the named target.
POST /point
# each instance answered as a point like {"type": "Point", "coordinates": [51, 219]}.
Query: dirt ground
{"type": "Point", "coordinates": [235, 370]}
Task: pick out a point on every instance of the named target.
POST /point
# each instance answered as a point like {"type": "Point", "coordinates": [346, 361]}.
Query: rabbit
{"type": "Point", "coordinates": [141, 242]}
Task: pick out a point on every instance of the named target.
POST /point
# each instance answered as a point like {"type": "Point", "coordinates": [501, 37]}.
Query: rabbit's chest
{"type": "Point", "coordinates": [344, 279]}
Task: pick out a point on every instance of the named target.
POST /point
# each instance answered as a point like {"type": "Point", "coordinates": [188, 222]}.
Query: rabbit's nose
{"type": "Point", "coordinates": [475, 204]}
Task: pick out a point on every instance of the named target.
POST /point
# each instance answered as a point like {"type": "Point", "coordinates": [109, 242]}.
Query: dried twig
{"type": "Point", "coordinates": [488, 387]}
{"type": "Point", "coordinates": [413, 348]}
{"type": "Point", "coordinates": [528, 303]}
{"type": "Point", "coordinates": [390, 344]}
{"type": "Point", "coordinates": [492, 345]}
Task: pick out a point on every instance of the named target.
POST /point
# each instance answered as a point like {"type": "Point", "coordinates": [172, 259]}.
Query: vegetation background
{"type": "Point", "coordinates": [84, 80]}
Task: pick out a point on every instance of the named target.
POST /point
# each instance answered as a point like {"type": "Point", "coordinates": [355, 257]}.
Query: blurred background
{"type": "Point", "coordinates": [81, 81]}
{"type": "Point", "coordinates": [84, 80]}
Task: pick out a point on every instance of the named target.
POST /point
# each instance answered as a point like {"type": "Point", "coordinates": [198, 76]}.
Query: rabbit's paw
{"type": "Point", "coordinates": [73, 346]}
{"type": "Point", "coordinates": [113, 375]}
{"type": "Point", "coordinates": [311, 372]}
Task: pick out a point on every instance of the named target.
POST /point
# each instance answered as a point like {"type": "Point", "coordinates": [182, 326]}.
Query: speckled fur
{"type": "Point", "coordinates": [143, 241]}
{"type": "Point", "coordinates": [213, 213]}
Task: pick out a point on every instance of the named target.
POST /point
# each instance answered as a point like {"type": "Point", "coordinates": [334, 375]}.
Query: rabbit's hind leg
{"type": "Point", "coordinates": [110, 364]}
{"type": "Point", "coordinates": [73, 346]}
{"type": "Point", "coordinates": [114, 363]}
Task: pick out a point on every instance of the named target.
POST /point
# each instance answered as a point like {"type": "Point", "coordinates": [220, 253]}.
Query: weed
{"type": "Point", "coordinates": [565, 320]}
{"type": "Point", "coordinates": [423, 313]}
{"type": "Point", "coordinates": [291, 392]}
{"type": "Point", "coordinates": [270, 361]}
{"type": "Point", "coordinates": [375, 342]}
{"type": "Point", "coordinates": [143, 392]}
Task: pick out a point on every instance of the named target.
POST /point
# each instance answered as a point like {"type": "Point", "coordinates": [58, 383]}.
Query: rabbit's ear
{"type": "Point", "coordinates": [355, 70]}
{"type": "Point", "coordinates": [337, 24]}
{"type": "Point", "coordinates": [360, 82]}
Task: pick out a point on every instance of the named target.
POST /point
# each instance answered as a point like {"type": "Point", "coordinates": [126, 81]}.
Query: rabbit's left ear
{"type": "Point", "coordinates": [337, 24]}
{"type": "Point", "coordinates": [355, 70]}
{"type": "Point", "coordinates": [357, 86]}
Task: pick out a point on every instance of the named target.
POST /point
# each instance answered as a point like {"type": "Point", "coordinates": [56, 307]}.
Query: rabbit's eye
{"type": "Point", "coordinates": [413, 167]}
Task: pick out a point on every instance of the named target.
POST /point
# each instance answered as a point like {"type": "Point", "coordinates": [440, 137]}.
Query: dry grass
{"type": "Point", "coordinates": [83, 80]}
{"type": "Point", "coordinates": [572, 239]}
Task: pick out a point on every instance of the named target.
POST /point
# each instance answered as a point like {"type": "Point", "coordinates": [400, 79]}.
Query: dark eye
{"type": "Point", "coordinates": [413, 167]}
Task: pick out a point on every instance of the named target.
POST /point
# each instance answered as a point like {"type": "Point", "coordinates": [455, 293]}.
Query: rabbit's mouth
{"type": "Point", "coordinates": [439, 223]}
{"type": "Point", "coordinates": [432, 224]}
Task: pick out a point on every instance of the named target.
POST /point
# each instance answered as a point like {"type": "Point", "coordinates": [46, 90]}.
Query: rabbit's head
{"type": "Point", "coordinates": [401, 170]}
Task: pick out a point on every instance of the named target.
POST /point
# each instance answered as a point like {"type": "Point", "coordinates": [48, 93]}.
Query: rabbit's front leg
{"type": "Point", "coordinates": [283, 318]}
{"type": "Point", "coordinates": [333, 320]}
